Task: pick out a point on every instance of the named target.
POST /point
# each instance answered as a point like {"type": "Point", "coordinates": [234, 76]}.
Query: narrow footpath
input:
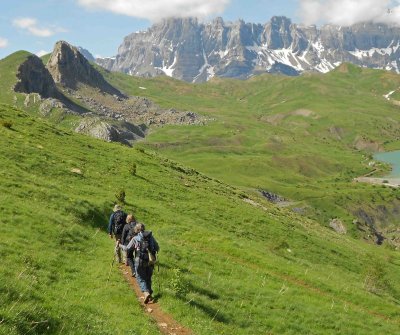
{"type": "Point", "coordinates": [165, 322]}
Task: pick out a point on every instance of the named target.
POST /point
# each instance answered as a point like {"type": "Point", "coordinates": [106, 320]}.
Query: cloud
{"type": "Point", "coordinates": [348, 12]}
{"type": "Point", "coordinates": [41, 53]}
{"type": "Point", "coordinates": [3, 42]}
{"type": "Point", "coordinates": [158, 9]}
{"type": "Point", "coordinates": [31, 25]}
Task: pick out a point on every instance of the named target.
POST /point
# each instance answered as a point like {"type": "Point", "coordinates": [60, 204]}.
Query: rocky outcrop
{"type": "Point", "coordinates": [338, 226]}
{"type": "Point", "coordinates": [364, 144]}
{"type": "Point", "coordinates": [70, 68]}
{"type": "Point", "coordinates": [192, 51]}
{"type": "Point", "coordinates": [106, 113]}
{"type": "Point", "coordinates": [122, 132]}
{"type": "Point", "coordinates": [33, 77]}
{"type": "Point", "coordinates": [272, 197]}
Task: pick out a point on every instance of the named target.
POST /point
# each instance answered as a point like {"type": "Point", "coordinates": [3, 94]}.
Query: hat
{"type": "Point", "coordinates": [117, 208]}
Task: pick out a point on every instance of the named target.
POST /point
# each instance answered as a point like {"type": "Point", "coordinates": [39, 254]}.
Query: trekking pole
{"type": "Point", "coordinates": [158, 270]}
{"type": "Point", "coordinates": [113, 261]}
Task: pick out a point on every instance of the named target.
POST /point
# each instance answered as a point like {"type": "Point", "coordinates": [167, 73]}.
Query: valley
{"type": "Point", "coordinates": [247, 185]}
{"type": "Point", "coordinates": [303, 138]}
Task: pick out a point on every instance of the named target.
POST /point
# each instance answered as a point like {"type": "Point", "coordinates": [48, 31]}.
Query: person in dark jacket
{"type": "Point", "coordinates": [127, 235]}
{"type": "Point", "coordinates": [115, 227]}
{"type": "Point", "coordinates": [111, 223]}
{"type": "Point", "coordinates": [144, 270]}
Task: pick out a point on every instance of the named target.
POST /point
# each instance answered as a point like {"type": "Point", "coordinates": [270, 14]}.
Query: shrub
{"type": "Point", "coordinates": [120, 195]}
{"type": "Point", "coordinates": [6, 124]}
{"type": "Point", "coordinates": [178, 283]}
{"type": "Point", "coordinates": [132, 169]}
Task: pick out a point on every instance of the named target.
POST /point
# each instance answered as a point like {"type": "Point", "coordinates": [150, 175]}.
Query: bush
{"type": "Point", "coordinates": [6, 124]}
{"type": "Point", "coordinates": [178, 283]}
{"type": "Point", "coordinates": [132, 169]}
{"type": "Point", "coordinates": [120, 195]}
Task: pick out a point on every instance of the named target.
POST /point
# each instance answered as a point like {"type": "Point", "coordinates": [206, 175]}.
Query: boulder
{"type": "Point", "coordinates": [338, 226]}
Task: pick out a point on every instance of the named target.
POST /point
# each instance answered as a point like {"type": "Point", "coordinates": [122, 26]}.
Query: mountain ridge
{"type": "Point", "coordinates": [196, 52]}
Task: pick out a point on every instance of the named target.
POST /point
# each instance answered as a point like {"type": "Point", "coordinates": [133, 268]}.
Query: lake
{"type": "Point", "coordinates": [393, 158]}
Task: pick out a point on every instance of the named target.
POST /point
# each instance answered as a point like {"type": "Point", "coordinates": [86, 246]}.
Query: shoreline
{"type": "Point", "coordinates": [391, 182]}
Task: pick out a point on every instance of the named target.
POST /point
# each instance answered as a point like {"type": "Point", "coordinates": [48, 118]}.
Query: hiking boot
{"type": "Point", "coordinates": [146, 297]}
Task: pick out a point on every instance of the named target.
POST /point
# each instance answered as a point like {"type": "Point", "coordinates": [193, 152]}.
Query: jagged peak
{"type": "Point", "coordinates": [280, 19]}
{"type": "Point", "coordinates": [218, 21]}
{"type": "Point", "coordinates": [239, 49]}
{"type": "Point", "coordinates": [69, 68]}
{"type": "Point", "coordinates": [86, 53]}
{"type": "Point", "coordinates": [179, 21]}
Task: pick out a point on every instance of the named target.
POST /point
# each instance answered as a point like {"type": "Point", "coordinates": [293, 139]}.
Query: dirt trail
{"type": "Point", "coordinates": [165, 322]}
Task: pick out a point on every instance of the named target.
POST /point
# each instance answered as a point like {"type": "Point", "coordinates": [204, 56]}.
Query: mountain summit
{"type": "Point", "coordinates": [188, 50]}
{"type": "Point", "coordinates": [69, 68]}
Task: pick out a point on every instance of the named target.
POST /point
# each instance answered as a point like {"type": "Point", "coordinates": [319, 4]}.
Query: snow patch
{"type": "Point", "coordinates": [318, 46]}
{"type": "Point", "coordinates": [391, 49]}
{"type": "Point", "coordinates": [169, 71]}
{"type": "Point", "coordinates": [206, 66]}
{"type": "Point", "coordinates": [325, 66]}
{"type": "Point", "coordinates": [222, 53]}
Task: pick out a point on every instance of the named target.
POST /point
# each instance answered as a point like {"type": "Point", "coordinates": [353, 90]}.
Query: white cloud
{"type": "Point", "coordinates": [31, 25]}
{"type": "Point", "coordinates": [41, 53]}
{"type": "Point", "coordinates": [158, 9]}
{"type": "Point", "coordinates": [348, 12]}
{"type": "Point", "coordinates": [3, 42]}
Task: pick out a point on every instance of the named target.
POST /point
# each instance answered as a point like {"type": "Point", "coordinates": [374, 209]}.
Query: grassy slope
{"type": "Point", "coordinates": [226, 266]}
{"type": "Point", "coordinates": [8, 71]}
{"type": "Point", "coordinates": [261, 140]}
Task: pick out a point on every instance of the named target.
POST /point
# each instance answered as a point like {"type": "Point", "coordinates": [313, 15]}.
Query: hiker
{"type": "Point", "coordinates": [115, 226]}
{"type": "Point", "coordinates": [127, 234]}
{"type": "Point", "coordinates": [143, 244]}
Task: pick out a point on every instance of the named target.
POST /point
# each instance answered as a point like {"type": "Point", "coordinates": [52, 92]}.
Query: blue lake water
{"type": "Point", "coordinates": [393, 158]}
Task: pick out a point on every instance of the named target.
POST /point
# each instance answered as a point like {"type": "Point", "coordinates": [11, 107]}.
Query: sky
{"type": "Point", "coordinates": [101, 25]}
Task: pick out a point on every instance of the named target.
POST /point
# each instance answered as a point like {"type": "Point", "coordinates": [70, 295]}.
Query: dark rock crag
{"type": "Point", "coordinates": [33, 77]}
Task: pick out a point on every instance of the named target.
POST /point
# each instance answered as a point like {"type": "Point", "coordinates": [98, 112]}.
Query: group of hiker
{"type": "Point", "coordinates": [135, 246]}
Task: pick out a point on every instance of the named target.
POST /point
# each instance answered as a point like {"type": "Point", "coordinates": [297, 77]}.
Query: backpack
{"type": "Point", "coordinates": [119, 222]}
{"type": "Point", "coordinates": [148, 247]}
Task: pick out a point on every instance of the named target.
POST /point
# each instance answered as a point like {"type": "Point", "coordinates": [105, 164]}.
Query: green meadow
{"type": "Point", "coordinates": [230, 262]}
{"type": "Point", "coordinates": [304, 138]}
{"type": "Point", "coordinates": [226, 266]}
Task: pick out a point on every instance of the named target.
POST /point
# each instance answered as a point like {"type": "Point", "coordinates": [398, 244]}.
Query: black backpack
{"type": "Point", "coordinates": [148, 248]}
{"type": "Point", "coordinates": [119, 222]}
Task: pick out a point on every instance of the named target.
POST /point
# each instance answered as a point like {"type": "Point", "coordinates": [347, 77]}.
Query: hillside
{"type": "Point", "coordinates": [302, 138]}
{"type": "Point", "coordinates": [227, 265]}
{"type": "Point", "coordinates": [67, 89]}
